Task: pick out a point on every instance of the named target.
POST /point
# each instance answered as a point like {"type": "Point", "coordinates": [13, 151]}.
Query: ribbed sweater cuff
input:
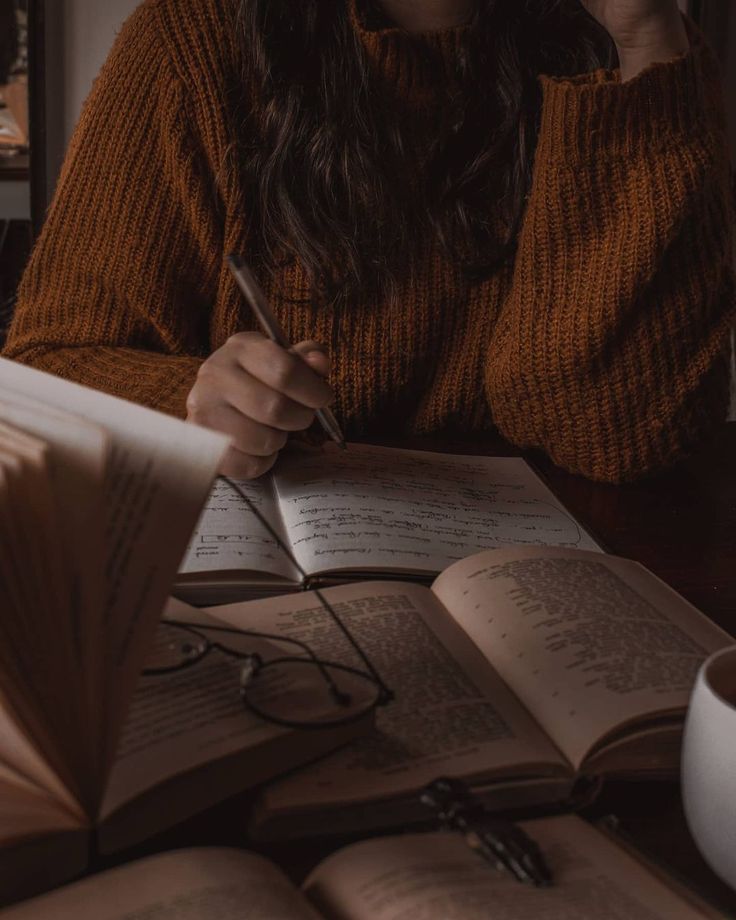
{"type": "Point", "coordinates": [594, 114]}
{"type": "Point", "coordinates": [158, 381]}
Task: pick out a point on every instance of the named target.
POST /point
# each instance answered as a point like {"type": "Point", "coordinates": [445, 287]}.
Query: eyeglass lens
{"type": "Point", "coordinates": [299, 692]}
{"type": "Point", "coordinates": [287, 690]}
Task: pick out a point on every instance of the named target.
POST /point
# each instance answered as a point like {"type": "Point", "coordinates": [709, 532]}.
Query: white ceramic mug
{"type": "Point", "coordinates": [709, 763]}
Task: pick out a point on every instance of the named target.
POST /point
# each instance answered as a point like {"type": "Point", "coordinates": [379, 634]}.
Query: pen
{"type": "Point", "coordinates": [258, 303]}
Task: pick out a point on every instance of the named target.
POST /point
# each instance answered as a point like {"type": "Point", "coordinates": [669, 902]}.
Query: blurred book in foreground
{"type": "Point", "coordinates": [98, 498]}
{"type": "Point", "coordinates": [411, 877]}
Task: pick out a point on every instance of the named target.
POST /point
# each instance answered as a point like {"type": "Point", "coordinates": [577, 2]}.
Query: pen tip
{"type": "Point", "coordinates": [342, 445]}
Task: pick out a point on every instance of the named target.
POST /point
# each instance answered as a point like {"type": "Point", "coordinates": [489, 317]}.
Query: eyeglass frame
{"type": "Point", "coordinates": [322, 665]}
{"type": "Point", "coordinates": [387, 694]}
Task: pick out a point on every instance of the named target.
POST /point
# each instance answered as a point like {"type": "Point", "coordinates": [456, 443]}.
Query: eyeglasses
{"type": "Point", "coordinates": [296, 690]}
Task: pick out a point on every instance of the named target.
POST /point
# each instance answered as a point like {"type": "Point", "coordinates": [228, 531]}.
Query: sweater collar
{"type": "Point", "coordinates": [413, 65]}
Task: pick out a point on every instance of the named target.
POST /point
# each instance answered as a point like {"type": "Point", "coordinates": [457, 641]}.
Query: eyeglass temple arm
{"type": "Point", "coordinates": [261, 635]}
{"type": "Point", "coordinates": [386, 693]}
{"type": "Point", "coordinates": [232, 630]}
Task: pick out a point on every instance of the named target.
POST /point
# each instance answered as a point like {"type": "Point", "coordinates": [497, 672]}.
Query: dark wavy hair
{"type": "Point", "coordinates": [329, 154]}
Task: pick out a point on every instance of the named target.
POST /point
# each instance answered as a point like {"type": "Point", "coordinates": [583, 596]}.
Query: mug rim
{"type": "Point", "coordinates": [711, 662]}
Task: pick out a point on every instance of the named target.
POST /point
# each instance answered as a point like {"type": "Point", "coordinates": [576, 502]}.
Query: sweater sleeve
{"type": "Point", "coordinates": [611, 350]}
{"type": "Point", "coordinates": [119, 286]}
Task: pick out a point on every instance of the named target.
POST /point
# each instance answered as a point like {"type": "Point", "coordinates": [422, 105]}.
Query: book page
{"type": "Point", "coordinates": [23, 765]}
{"type": "Point", "coordinates": [589, 643]}
{"type": "Point", "coordinates": [32, 582]}
{"type": "Point", "coordinates": [76, 457]}
{"type": "Point", "coordinates": [438, 877]}
{"type": "Point", "coordinates": [377, 509]}
{"type": "Point", "coordinates": [451, 713]}
{"type": "Point", "coordinates": [179, 721]}
{"type": "Point", "coordinates": [158, 476]}
{"type": "Point", "coordinates": [201, 884]}
{"type": "Point", "coordinates": [229, 537]}
{"type": "Point", "coordinates": [41, 844]}
{"type": "Point", "coordinates": [190, 741]}
{"type": "Point", "coordinates": [27, 813]}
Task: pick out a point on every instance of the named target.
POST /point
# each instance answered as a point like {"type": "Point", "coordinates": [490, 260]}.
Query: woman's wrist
{"type": "Point", "coordinates": [661, 43]}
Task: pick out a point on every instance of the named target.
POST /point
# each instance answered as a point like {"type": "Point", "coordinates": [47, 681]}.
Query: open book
{"type": "Point", "coordinates": [98, 498]}
{"type": "Point", "coordinates": [520, 671]}
{"type": "Point", "coordinates": [412, 877]}
{"type": "Point", "coordinates": [367, 512]}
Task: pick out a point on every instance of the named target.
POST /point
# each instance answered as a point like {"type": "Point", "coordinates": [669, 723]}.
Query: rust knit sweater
{"type": "Point", "coordinates": [604, 343]}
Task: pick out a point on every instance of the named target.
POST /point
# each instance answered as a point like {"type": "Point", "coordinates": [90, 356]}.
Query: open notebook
{"type": "Point", "coordinates": [367, 512]}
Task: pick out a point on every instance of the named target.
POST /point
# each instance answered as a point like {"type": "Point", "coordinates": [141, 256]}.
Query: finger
{"type": "Point", "coordinates": [238, 465]}
{"type": "Point", "coordinates": [285, 373]}
{"type": "Point", "coordinates": [259, 402]}
{"type": "Point", "coordinates": [247, 435]}
{"type": "Point", "coordinates": [315, 356]}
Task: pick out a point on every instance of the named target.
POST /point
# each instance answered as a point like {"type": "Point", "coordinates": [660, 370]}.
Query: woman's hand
{"type": "Point", "coordinates": [256, 392]}
{"type": "Point", "coordinates": [644, 31]}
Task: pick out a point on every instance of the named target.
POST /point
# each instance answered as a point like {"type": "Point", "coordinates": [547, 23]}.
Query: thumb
{"type": "Point", "coordinates": [315, 355]}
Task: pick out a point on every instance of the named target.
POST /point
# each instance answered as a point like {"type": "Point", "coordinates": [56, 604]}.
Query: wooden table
{"type": "Point", "coordinates": [682, 526]}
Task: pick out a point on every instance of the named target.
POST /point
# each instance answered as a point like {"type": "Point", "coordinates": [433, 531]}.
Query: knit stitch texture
{"type": "Point", "coordinates": [603, 342]}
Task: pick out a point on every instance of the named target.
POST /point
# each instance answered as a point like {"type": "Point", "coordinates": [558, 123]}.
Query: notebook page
{"type": "Point", "coordinates": [377, 509]}
{"type": "Point", "coordinates": [229, 537]}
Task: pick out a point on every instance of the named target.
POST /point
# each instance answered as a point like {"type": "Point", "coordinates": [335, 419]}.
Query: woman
{"type": "Point", "coordinates": [477, 217]}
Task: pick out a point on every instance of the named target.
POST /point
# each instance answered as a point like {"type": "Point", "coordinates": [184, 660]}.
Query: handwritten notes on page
{"type": "Point", "coordinates": [229, 537]}
{"type": "Point", "coordinates": [373, 508]}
